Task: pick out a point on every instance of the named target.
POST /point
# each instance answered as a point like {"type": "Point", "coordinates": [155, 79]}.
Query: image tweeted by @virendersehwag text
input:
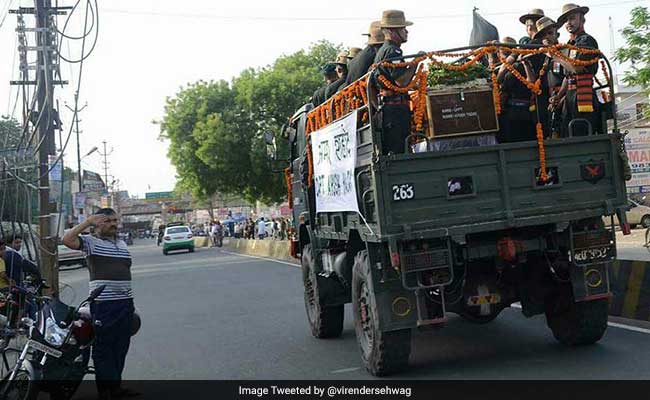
{"type": "Point", "coordinates": [328, 392]}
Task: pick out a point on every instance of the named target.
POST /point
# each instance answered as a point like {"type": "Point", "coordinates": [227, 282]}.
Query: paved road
{"type": "Point", "coordinates": [212, 315]}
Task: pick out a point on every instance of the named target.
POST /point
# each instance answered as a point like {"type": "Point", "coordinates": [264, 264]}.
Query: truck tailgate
{"type": "Point", "coordinates": [495, 186]}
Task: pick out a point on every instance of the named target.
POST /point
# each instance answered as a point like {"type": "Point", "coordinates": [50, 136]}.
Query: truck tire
{"type": "Point", "coordinates": [382, 353]}
{"type": "Point", "coordinates": [576, 324]}
{"type": "Point", "coordinates": [324, 321]}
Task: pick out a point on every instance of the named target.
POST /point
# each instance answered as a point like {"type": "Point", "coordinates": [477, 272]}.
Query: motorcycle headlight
{"type": "Point", "coordinates": [53, 334]}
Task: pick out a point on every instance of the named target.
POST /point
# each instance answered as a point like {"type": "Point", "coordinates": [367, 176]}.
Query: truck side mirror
{"type": "Point", "coordinates": [271, 149]}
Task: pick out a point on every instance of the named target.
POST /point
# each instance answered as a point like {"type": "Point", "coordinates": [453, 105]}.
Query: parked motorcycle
{"type": "Point", "coordinates": [55, 356]}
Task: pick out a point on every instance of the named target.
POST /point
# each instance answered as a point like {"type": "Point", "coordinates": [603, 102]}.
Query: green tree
{"type": "Point", "coordinates": [637, 50]}
{"type": "Point", "coordinates": [216, 129]}
{"type": "Point", "coordinates": [13, 193]}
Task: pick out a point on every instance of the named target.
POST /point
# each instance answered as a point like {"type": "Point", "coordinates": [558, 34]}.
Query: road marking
{"type": "Point", "coordinates": [262, 258]}
{"type": "Point", "coordinates": [344, 370]}
{"type": "Point", "coordinates": [612, 324]}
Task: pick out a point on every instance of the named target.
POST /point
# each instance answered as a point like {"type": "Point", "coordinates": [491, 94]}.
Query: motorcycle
{"type": "Point", "coordinates": [56, 354]}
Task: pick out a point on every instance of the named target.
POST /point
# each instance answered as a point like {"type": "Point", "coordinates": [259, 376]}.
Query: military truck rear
{"type": "Point", "coordinates": [470, 231]}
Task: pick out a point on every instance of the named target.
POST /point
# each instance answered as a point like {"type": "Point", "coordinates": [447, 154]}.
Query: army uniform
{"type": "Point", "coordinates": [333, 87]}
{"type": "Point", "coordinates": [359, 65]}
{"type": "Point", "coordinates": [581, 101]}
{"type": "Point", "coordinates": [394, 116]}
{"type": "Point", "coordinates": [517, 118]}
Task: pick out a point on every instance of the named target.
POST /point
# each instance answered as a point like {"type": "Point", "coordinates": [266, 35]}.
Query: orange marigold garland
{"type": "Point", "coordinates": [542, 153]}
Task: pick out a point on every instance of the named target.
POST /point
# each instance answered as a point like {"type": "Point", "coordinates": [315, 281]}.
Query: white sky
{"type": "Point", "coordinates": [148, 49]}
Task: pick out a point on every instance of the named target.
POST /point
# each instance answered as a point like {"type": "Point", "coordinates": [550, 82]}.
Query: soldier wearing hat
{"type": "Point", "coordinates": [580, 102]}
{"type": "Point", "coordinates": [394, 116]}
{"type": "Point", "coordinates": [359, 65]}
{"type": "Point", "coordinates": [341, 73]}
{"type": "Point", "coordinates": [547, 35]}
{"type": "Point", "coordinates": [353, 52]}
{"type": "Point", "coordinates": [329, 71]}
{"type": "Point", "coordinates": [516, 120]}
{"type": "Point", "coordinates": [530, 19]}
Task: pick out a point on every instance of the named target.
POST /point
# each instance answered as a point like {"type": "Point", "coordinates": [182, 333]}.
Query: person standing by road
{"type": "Point", "coordinates": [109, 263]}
{"type": "Point", "coordinates": [17, 265]}
{"type": "Point", "coordinates": [261, 229]}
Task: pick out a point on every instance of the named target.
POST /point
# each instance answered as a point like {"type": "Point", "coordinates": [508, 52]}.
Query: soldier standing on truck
{"type": "Point", "coordinates": [546, 35]}
{"type": "Point", "coordinates": [359, 65]}
{"type": "Point", "coordinates": [394, 114]}
{"type": "Point", "coordinates": [517, 122]}
{"type": "Point", "coordinates": [329, 71]}
{"type": "Point", "coordinates": [341, 72]}
{"type": "Point", "coordinates": [580, 101]}
{"type": "Point", "coordinates": [530, 20]}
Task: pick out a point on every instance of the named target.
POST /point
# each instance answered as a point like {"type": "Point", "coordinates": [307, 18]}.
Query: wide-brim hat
{"type": "Point", "coordinates": [342, 58]}
{"type": "Point", "coordinates": [568, 9]}
{"type": "Point", "coordinates": [394, 19]}
{"type": "Point", "coordinates": [375, 34]}
{"type": "Point", "coordinates": [534, 14]}
{"type": "Point", "coordinates": [542, 24]}
{"type": "Point", "coordinates": [508, 40]}
{"type": "Point", "coordinates": [328, 68]}
{"type": "Point", "coordinates": [352, 52]}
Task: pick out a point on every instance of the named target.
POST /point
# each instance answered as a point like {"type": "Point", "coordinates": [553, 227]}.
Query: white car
{"type": "Point", "coordinates": [637, 215]}
{"type": "Point", "coordinates": [178, 237]}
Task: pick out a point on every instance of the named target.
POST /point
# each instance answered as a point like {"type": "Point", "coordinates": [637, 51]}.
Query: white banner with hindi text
{"type": "Point", "coordinates": [334, 154]}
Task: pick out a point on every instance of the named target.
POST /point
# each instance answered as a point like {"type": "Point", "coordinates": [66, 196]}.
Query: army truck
{"type": "Point", "coordinates": [408, 238]}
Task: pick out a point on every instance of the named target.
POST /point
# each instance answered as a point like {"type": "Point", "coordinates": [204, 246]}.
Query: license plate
{"type": "Point", "coordinates": [45, 349]}
{"type": "Point", "coordinates": [602, 253]}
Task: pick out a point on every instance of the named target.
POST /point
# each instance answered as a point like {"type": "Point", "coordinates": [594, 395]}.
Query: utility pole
{"type": "Point", "coordinates": [105, 154]}
{"type": "Point", "coordinates": [76, 112]}
{"type": "Point", "coordinates": [45, 101]}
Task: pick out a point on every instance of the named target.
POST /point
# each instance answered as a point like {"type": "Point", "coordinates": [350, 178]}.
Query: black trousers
{"type": "Point", "coordinates": [516, 125]}
{"type": "Point", "coordinates": [112, 340]}
{"type": "Point", "coordinates": [395, 123]}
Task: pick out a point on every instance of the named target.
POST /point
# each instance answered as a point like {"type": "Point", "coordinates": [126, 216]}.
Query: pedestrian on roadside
{"type": "Point", "coordinates": [109, 263]}
{"type": "Point", "coordinates": [16, 265]}
{"type": "Point", "coordinates": [261, 229]}
{"type": "Point", "coordinates": [283, 229]}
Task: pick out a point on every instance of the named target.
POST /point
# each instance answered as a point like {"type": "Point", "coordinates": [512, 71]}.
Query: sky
{"type": "Point", "coordinates": [147, 50]}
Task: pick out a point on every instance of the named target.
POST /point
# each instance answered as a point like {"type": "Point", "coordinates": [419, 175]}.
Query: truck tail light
{"type": "Point", "coordinates": [167, 238]}
{"type": "Point", "coordinates": [189, 236]}
{"type": "Point", "coordinates": [507, 249]}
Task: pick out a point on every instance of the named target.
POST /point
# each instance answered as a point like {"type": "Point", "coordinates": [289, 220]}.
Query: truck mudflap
{"type": "Point", "coordinates": [592, 253]}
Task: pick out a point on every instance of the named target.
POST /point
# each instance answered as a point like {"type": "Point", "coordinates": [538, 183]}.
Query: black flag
{"type": "Point", "coordinates": [482, 31]}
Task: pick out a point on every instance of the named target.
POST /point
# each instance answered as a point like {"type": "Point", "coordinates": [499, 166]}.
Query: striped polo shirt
{"type": "Point", "coordinates": [109, 263]}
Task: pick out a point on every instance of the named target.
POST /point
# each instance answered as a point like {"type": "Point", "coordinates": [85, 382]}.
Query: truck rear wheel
{"type": "Point", "coordinates": [324, 321]}
{"type": "Point", "coordinates": [383, 353]}
{"type": "Point", "coordinates": [575, 324]}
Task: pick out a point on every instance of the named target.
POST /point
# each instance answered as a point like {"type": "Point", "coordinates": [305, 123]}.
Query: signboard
{"type": "Point", "coordinates": [107, 201]}
{"type": "Point", "coordinates": [334, 150]}
{"type": "Point", "coordinates": [158, 195]}
{"type": "Point", "coordinates": [455, 112]}
{"type": "Point", "coordinates": [55, 167]}
{"type": "Point", "coordinates": [637, 145]}
{"type": "Point", "coordinates": [79, 200]}
{"type": "Point", "coordinates": [92, 182]}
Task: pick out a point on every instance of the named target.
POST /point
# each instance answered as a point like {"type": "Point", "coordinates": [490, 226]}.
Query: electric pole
{"type": "Point", "coordinates": [76, 112]}
{"type": "Point", "coordinates": [105, 154]}
{"type": "Point", "coordinates": [46, 116]}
